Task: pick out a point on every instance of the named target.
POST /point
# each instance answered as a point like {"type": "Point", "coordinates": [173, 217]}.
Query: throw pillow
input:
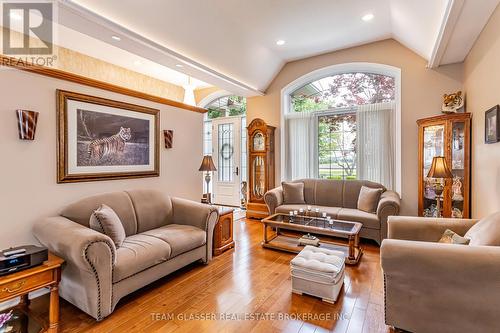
{"type": "Point", "coordinates": [105, 221]}
{"type": "Point", "coordinates": [485, 232]}
{"type": "Point", "coordinates": [451, 237]}
{"type": "Point", "coordinates": [368, 199]}
{"type": "Point", "coordinates": [293, 193]}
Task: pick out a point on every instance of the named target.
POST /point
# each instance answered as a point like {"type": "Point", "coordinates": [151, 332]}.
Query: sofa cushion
{"type": "Point", "coordinates": [368, 199]}
{"type": "Point", "coordinates": [451, 237]}
{"type": "Point", "coordinates": [351, 191]}
{"type": "Point", "coordinates": [181, 238]}
{"type": "Point", "coordinates": [293, 193]}
{"type": "Point", "coordinates": [486, 232]}
{"type": "Point", "coordinates": [328, 192]}
{"type": "Point", "coordinates": [369, 220]}
{"type": "Point", "coordinates": [331, 211]}
{"type": "Point", "coordinates": [153, 209]}
{"type": "Point", "coordinates": [120, 202]}
{"type": "Point", "coordinates": [105, 221]}
{"type": "Point", "coordinates": [137, 253]}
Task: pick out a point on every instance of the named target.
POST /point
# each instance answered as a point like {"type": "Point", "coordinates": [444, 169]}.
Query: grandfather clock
{"type": "Point", "coordinates": [260, 167]}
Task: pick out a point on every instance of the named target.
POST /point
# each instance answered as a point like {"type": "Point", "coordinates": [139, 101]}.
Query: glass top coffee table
{"type": "Point", "coordinates": [313, 225]}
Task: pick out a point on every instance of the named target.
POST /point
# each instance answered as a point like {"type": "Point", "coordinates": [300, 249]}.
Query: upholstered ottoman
{"type": "Point", "coordinates": [318, 272]}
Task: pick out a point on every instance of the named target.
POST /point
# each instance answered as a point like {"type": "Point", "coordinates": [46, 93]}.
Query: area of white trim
{"type": "Point", "coordinates": [450, 20]}
{"type": "Point", "coordinates": [212, 97]}
{"type": "Point", "coordinates": [82, 19]}
{"type": "Point", "coordinates": [364, 67]}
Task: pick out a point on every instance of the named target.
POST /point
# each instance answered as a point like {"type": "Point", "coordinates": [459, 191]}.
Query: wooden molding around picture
{"type": "Point", "coordinates": [492, 125]}
{"type": "Point", "coordinates": [114, 140]}
{"type": "Point", "coordinates": [67, 76]}
{"type": "Point", "coordinates": [169, 138]}
{"type": "Point", "coordinates": [26, 122]}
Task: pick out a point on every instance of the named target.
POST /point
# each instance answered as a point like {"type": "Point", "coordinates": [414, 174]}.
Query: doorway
{"type": "Point", "coordinates": [224, 138]}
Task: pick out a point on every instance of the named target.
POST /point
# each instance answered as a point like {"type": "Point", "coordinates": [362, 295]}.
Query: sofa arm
{"type": "Point", "coordinates": [89, 260]}
{"type": "Point", "coordinates": [436, 287]}
{"type": "Point", "coordinates": [425, 229]}
{"type": "Point", "coordinates": [388, 205]}
{"type": "Point", "coordinates": [199, 215]}
{"type": "Point", "coordinates": [273, 199]}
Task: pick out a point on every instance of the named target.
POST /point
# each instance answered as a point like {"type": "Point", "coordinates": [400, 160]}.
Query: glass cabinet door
{"type": "Point", "coordinates": [458, 165]}
{"type": "Point", "coordinates": [434, 145]}
{"type": "Point", "coordinates": [258, 177]}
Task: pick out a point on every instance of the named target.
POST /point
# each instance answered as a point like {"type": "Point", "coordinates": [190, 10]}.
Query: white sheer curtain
{"type": "Point", "coordinates": [376, 143]}
{"type": "Point", "coordinates": [300, 147]}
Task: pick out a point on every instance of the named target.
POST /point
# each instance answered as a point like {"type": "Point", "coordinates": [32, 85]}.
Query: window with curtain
{"type": "Point", "coordinates": [341, 127]}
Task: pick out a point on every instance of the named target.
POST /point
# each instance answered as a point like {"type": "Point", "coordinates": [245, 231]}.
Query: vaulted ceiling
{"type": "Point", "coordinates": [232, 43]}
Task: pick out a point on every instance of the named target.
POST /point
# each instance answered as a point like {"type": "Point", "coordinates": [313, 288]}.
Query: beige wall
{"type": "Point", "coordinates": [28, 168]}
{"type": "Point", "coordinates": [200, 94]}
{"type": "Point", "coordinates": [422, 90]}
{"type": "Point", "coordinates": [81, 64]}
{"type": "Point", "coordinates": [482, 87]}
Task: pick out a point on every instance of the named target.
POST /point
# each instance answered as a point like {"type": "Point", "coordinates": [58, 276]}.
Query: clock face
{"type": "Point", "coordinates": [259, 143]}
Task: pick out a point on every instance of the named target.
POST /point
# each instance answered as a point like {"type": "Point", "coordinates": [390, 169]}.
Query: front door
{"type": "Point", "coordinates": [226, 140]}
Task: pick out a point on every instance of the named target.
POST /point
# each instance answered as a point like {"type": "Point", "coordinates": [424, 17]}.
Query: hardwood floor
{"type": "Point", "coordinates": [249, 281]}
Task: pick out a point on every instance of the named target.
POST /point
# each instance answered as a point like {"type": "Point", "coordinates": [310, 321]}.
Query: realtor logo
{"type": "Point", "coordinates": [28, 28]}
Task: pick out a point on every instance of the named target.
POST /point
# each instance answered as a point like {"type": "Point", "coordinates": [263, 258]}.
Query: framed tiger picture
{"type": "Point", "coordinates": [102, 139]}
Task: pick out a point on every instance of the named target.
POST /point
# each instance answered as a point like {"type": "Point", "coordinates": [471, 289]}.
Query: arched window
{"type": "Point", "coordinates": [342, 122]}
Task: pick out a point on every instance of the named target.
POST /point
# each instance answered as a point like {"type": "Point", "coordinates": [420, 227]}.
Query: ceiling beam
{"type": "Point", "coordinates": [450, 19]}
{"type": "Point", "coordinates": [79, 18]}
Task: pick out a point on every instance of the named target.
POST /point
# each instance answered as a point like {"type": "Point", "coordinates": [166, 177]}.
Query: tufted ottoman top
{"type": "Point", "coordinates": [318, 264]}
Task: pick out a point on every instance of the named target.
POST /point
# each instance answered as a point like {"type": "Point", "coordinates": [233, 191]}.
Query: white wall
{"type": "Point", "coordinates": [28, 188]}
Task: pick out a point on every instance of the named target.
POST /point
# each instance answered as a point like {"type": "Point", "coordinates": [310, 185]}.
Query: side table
{"type": "Point", "coordinates": [223, 231]}
{"type": "Point", "coordinates": [20, 284]}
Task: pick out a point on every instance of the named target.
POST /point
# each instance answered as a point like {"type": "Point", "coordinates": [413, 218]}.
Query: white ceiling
{"type": "Point", "coordinates": [232, 43]}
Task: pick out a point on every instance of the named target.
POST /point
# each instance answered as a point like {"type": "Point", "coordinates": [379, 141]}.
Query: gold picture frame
{"type": "Point", "coordinates": [103, 139]}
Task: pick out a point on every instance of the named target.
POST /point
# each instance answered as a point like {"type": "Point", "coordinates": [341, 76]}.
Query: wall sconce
{"type": "Point", "coordinates": [169, 138]}
{"type": "Point", "coordinates": [26, 121]}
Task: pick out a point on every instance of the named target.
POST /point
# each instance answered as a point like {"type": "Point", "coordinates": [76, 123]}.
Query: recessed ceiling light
{"type": "Point", "coordinates": [116, 38]}
{"type": "Point", "coordinates": [179, 66]}
{"type": "Point", "coordinates": [368, 17]}
{"type": "Point", "coordinates": [15, 16]}
{"type": "Point", "coordinates": [280, 42]}
{"type": "Point", "coordinates": [137, 63]}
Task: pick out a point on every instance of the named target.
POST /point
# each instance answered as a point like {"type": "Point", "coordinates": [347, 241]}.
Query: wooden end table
{"type": "Point", "coordinates": [223, 231]}
{"type": "Point", "coordinates": [20, 284]}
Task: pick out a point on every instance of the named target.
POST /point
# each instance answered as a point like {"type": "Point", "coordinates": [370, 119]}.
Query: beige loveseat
{"type": "Point", "coordinates": [436, 287]}
{"type": "Point", "coordinates": [339, 199]}
{"type": "Point", "coordinates": [163, 234]}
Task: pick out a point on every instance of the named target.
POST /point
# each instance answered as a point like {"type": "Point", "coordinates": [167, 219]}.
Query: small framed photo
{"type": "Point", "coordinates": [492, 125]}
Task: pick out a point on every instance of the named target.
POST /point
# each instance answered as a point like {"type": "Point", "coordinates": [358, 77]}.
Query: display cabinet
{"type": "Point", "coordinates": [447, 135]}
{"type": "Point", "coordinates": [260, 167]}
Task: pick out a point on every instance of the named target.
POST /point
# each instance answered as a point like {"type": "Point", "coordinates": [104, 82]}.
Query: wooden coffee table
{"type": "Point", "coordinates": [315, 226]}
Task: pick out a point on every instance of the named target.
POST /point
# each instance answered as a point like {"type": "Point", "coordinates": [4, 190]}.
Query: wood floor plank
{"type": "Point", "coordinates": [247, 289]}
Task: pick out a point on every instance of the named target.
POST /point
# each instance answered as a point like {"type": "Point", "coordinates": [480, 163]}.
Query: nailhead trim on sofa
{"type": "Point", "coordinates": [96, 275]}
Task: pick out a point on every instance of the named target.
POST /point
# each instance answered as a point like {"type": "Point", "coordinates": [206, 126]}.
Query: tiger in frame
{"type": "Point", "coordinates": [115, 144]}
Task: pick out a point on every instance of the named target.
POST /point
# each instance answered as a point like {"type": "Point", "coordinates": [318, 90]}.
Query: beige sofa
{"type": "Point", "coordinates": [339, 199]}
{"type": "Point", "coordinates": [436, 287]}
{"type": "Point", "coordinates": [163, 235]}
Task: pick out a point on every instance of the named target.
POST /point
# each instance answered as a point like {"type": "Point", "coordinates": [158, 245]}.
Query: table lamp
{"type": "Point", "coordinates": [439, 170]}
{"type": "Point", "coordinates": [207, 164]}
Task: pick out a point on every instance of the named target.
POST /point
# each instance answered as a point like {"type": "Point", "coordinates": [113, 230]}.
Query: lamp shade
{"type": "Point", "coordinates": [207, 164]}
{"type": "Point", "coordinates": [439, 168]}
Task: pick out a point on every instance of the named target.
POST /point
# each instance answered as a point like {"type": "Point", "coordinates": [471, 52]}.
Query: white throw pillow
{"type": "Point", "coordinates": [486, 232]}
